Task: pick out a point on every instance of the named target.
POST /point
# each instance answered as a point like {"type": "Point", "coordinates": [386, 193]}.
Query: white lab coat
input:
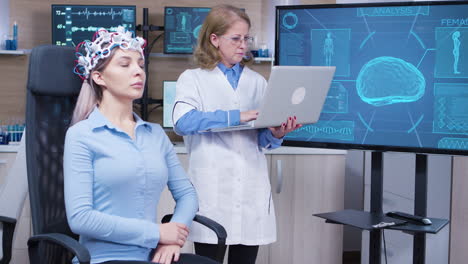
{"type": "Point", "coordinates": [228, 169]}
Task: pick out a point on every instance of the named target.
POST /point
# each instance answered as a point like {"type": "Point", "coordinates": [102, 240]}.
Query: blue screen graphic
{"type": "Point", "coordinates": [181, 27]}
{"type": "Point", "coordinates": [401, 80]}
{"type": "Point", "coordinates": [72, 24]}
{"type": "Point", "coordinates": [169, 92]}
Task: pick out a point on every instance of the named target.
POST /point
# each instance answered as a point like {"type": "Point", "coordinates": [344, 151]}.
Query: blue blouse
{"type": "Point", "coordinates": [113, 184]}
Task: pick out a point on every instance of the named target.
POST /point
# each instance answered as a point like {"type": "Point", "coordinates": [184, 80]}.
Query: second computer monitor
{"type": "Point", "coordinates": [169, 91]}
{"type": "Point", "coordinates": [181, 27]}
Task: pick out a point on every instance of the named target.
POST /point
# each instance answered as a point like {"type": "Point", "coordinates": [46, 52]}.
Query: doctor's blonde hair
{"type": "Point", "coordinates": [218, 22]}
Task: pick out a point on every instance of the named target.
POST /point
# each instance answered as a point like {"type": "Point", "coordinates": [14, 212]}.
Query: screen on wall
{"type": "Point", "coordinates": [401, 80]}
{"type": "Point", "coordinates": [72, 24]}
{"type": "Point", "coordinates": [181, 27]}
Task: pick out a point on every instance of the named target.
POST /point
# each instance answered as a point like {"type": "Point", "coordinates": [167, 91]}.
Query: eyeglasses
{"type": "Point", "coordinates": [237, 40]}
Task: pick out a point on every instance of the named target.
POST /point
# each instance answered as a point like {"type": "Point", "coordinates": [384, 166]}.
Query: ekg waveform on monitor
{"type": "Point", "coordinates": [72, 24]}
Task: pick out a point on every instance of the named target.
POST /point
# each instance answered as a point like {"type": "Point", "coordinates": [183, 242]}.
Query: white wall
{"type": "Point", "coordinates": [354, 196]}
{"type": "Point", "coordinates": [4, 25]}
{"type": "Point", "coordinates": [269, 32]}
{"type": "Point", "coordinates": [4, 21]}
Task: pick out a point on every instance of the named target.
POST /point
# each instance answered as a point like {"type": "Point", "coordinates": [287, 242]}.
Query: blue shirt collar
{"type": "Point", "coordinates": [236, 68]}
{"type": "Point", "coordinates": [97, 120]}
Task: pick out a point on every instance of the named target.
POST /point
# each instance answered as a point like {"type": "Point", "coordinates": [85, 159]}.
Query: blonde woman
{"type": "Point", "coordinates": [116, 165]}
{"type": "Point", "coordinates": [229, 169]}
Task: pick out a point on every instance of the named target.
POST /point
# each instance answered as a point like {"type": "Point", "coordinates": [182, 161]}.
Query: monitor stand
{"type": "Point", "coordinates": [365, 220]}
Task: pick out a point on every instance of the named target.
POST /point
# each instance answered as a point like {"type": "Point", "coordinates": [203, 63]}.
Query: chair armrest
{"type": "Point", "coordinates": [9, 220]}
{"type": "Point", "coordinates": [216, 227]}
{"type": "Point", "coordinates": [7, 238]}
{"type": "Point", "coordinates": [213, 225]}
{"type": "Point", "coordinates": [62, 240]}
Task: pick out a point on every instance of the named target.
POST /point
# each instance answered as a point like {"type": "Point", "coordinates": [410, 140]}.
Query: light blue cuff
{"type": "Point", "coordinates": [194, 121]}
{"type": "Point", "coordinates": [233, 117]}
{"type": "Point", "coordinates": [275, 142]}
{"type": "Point", "coordinates": [152, 235]}
{"type": "Point", "coordinates": [267, 140]}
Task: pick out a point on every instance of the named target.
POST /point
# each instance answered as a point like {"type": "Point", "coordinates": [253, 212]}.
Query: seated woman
{"type": "Point", "coordinates": [116, 165]}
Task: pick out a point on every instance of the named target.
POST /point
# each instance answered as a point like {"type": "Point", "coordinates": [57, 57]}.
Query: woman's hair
{"type": "Point", "coordinates": [218, 22]}
{"type": "Point", "coordinates": [90, 93]}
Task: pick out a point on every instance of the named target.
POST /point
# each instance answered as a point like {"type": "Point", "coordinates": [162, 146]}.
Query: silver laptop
{"type": "Point", "coordinates": [292, 91]}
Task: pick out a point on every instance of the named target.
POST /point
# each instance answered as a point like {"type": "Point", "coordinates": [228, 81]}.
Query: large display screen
{"type": "Point", "coordinates": [401, 80]}
{"type": "Point", "coordinates": [181, 27]}
{"type": "Point", "coordinates": [72, 24]}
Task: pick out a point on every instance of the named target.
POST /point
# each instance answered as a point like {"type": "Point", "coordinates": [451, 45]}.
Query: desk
{"type": "Point", "coordinates": [23, 225]}
{"type": "Point", "coordinates": [7, 156]}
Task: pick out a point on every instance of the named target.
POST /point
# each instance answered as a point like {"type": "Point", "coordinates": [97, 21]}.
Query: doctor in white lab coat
{"type": "Point", "coordinates": [228, 169]}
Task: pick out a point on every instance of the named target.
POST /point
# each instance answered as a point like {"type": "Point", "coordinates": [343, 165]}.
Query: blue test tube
{"type": "Point", "coordinates": [14, 43]}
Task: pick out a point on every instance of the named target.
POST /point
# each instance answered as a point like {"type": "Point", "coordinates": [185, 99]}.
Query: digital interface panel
{"type": "Point", "coordinates": [72, 24]}
{"type": "Point", "coordinates": [181, 27]}
{"type": "Point", "coordinates": [169, 92]}
{"type": "Point", "coordinates": [401, 80]}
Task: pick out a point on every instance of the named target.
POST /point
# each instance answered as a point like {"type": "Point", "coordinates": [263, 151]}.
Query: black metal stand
{"type": "Point", "coordinates": [420, 206]}
{"type": "Point", "coordinates": [375, 246]}
{"type": "Point", "coordinates": [145, 100]}
{"type": "Point", "coordinates": [367, 220]}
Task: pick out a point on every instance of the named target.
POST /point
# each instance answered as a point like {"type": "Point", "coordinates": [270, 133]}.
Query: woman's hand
{"type": "Point", "coordinates": [165, 253]}
{"type": "Point", "coordinates": [285, 128]}
{"type": "Point", "coordinates": [248, 116]}
{"type": "Point", "coordinates": [173, 234]}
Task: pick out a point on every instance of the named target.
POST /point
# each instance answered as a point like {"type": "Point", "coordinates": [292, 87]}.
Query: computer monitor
{"type": "Point", "coordinates": [181, 27]}
{"type": "Point", "coordinates": [72, 24]}
{"type": "Point", "coordinates": [401, 80]}
{"type": "Point", "coordinates": [169, 91]}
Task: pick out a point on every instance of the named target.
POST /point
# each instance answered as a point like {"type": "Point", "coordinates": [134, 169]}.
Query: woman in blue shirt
{"type": "Point", "coordinates": [116, 165]}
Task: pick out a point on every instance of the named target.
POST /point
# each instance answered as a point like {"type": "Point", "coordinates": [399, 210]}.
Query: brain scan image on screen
{"type": "Point", "coordinates": [389, 80]}
{"type": "Point", "coordinates": [401, 72]}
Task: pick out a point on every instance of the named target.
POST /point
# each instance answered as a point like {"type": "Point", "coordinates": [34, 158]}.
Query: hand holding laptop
{"type": "Point", "coordinates": [248, 116]}
{"type": "Point", "coordinates": [285, 128]}
{"type": "Point", "coordinates": [279, 131]}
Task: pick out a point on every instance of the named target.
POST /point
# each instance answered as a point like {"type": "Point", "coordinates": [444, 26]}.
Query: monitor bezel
{"type": "Point", "coordinates": [82, 5]}
{"type": "Point", "coordinates": [367, 147]}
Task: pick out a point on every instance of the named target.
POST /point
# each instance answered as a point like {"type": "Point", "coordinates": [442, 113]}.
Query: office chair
{"type": "Point", "coordinates": [12, 195]}
{"type": "Point", "coordinates": [52, 90]}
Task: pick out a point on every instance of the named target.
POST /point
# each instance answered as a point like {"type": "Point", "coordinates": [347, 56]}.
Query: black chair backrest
{"type": "Point", "coordinates": [52, 90]}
